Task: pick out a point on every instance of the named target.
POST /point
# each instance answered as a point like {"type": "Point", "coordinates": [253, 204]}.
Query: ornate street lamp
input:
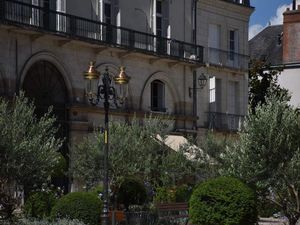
{"type": "Point", "coordinates": [202, 80]}
{"type": "Point", "coordinates": [107, 91]}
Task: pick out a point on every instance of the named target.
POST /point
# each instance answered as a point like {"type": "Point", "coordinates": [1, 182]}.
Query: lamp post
{"type": "Point", "coordinates": [202, 80]}
{"type": "Point", "coordinates": [107, 91]}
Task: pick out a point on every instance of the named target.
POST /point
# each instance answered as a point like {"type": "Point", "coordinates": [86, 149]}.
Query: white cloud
{"type": "Point", "coordinates": [274, 20]}
{"type": "Point", "coordinates": [278, 19]}
{"type": "Point", "coordinates": [254, 30]}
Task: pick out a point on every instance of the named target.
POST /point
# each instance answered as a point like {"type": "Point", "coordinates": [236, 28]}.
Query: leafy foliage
{"type": "Point", "coordinates": [211, 157]}
{"type": "Point", "coordinates": [164, 195]}
{"type": "Point", "coordinates": [135, 150]}
{"type": "Point", "coordinates": [39, 204]}
{"type": "Point", "coordinates": [28, 149]}
{"type": "Point", "coordinates": [225, 201]}
{"type": "Point", "coordinates": [83, 206]}
{"type": "Point", "coordinates": [47, 222]}
{"type": "Point", "coordinates": [183, 193]}
{"type": "Point", "coordinates": [132, 192]}
{"type": "Point", "coordinates": [268, 154]}
{"type": "Point", "coordinates": [263, 82]}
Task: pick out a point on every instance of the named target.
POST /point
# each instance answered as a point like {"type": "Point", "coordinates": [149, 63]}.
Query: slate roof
{"type": "Point", "coordinates": [267, 45]}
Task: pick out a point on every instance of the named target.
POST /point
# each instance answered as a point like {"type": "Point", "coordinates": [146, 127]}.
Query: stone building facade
{"type": "Point", "coordinates": [165, 45]}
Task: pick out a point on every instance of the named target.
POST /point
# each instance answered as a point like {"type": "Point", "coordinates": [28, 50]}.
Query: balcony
{"type": "Point", "coordinates": [225, 121]}
{"type": "Point", "coordinates": [72, 27]}
{"type": "Point", "coordinates": [227, 58]}
{"type": "Point", "coordinates": [240, 2]}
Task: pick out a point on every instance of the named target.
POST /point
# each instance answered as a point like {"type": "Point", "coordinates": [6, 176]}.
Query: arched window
{"type": "Point", "coordinates": [45, 85]}
{"type": "Point", "coordinates": [158, 96]}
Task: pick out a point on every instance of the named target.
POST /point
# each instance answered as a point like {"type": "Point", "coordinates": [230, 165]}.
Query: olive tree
{"type": "Point", "coordinates": [267, 154]}
{"type": "Point", "coordinates": [28, 149]}
{"type": "Point", "coordinates": [136, 149]}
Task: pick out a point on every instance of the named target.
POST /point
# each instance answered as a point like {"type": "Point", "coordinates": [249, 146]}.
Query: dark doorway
{"type": "Point", "coordinates": [45, 85]}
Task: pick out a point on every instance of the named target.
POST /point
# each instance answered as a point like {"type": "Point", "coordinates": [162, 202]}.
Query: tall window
{"type": "Point", "coordinates": [232, 97]}
{"type": "Point", "coordinates": [159, 18]}
{"type": "Point", "coordinates": [61, 19]}
{"type": "Point", "coordinates": [158, 96]}
{"type": "Point", "coordinates": [232, 44]}
{"type": "Point", "coordinates": [35, 18]}
{"type": "Point", "coordinates": [107, 13]}
{"type": "Point", "coordinates": [215, 94]}
{"type": "Point", "coordinates": [214, 32]}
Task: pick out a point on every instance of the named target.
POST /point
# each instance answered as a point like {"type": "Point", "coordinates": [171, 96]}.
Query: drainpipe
{"type": "Point", "coordinates": [195, 22]}
{"type": "Point", "coordinates": [17, 88]}
{"type": "Point", "coordinates": [195, 99]}
{"type": "Point", "coordinates": [194, 71]}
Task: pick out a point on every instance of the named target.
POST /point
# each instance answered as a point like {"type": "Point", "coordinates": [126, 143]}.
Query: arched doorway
{"type": "Point", "coordinates": [45, 85]}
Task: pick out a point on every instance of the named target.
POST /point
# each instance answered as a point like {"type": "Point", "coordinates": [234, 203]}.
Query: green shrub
{"type": "Point", "coordinates": [183, 193]}
{"type": "Point", "coordinates": [83, 206]}
{"type": "Point", "coordinates": [132, 192]}
{"type": "Point", "coordinates": [39, 204]}
{"type": "Point", "coordinates": [60, 168]}
{"type": "Point", "coordinates": [266, 208]}
{"type": "Point", "coordinates": [97, 190]}
{"type": "Point", "coordinates": [164, 195]}
{"type": "Point", "coordinates": [47, 222]}
{"type": "Point", "coordinates": [223, 201]}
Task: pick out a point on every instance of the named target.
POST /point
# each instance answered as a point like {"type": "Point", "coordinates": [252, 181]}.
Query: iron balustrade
{"type": "Point", "coordinates": [225, 121]}
{"type": "Point", "coordinates": [41, 19]}
{"type": "Point", "coordinates": [227, 58]}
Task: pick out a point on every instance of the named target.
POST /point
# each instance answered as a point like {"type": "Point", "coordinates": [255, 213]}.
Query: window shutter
{"type": "Point", "coordinates": [60, 19]}
{"type": "Point", "coordinates": [214, 43]}
{"type": "Point", "coordinates": [61, 6]}
{"type": "Point", "coordinates": [218, 95]}
{"type": "Point", "coordinates": [116, 20]}
{"type": "Point", "coordinates": [35, 2]}
{"type": "Point", "coordinates": [212, 90]}
{"type": "Point", "coordinates": [232, 97]}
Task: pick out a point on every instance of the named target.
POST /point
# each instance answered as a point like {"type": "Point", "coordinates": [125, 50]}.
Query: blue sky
{"type": "Point", "coordinates": [267, 11]}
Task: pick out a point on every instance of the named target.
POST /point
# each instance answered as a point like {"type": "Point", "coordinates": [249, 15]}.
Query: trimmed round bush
{"type": "Point", "coordinates": [223, 201]}
{"type": "Point", "coordinates": [83, 206]}
{"type": "Point", "coordinates": [132, 192]}
{"type": "Point", "coordinates": [39, 204]}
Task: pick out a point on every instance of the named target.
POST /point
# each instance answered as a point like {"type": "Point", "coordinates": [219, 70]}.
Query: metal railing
{"type": "Point", "coordinates": [41, 19]}
{"type": "Point", "coordinates": [225, 121]}
{"type": "Point", "coordinates": [227, 58]}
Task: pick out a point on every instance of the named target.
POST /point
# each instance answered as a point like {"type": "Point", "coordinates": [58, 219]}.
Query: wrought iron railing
{"type": "Point", "coordinates": [227, 58]}
{"type": "Point", "coordinates": [41, 19]}
{"type": "Point", "coordinates": [225, 121]}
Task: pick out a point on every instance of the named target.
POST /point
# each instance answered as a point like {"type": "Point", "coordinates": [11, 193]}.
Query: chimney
{"type": "Point", "coordinates": [294, 4]}
{"type": "Point", "coordinates": [291, 35]}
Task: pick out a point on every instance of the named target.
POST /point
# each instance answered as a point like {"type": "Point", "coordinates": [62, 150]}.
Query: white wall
{"type": "Point", "coordinates": [290, 79]}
